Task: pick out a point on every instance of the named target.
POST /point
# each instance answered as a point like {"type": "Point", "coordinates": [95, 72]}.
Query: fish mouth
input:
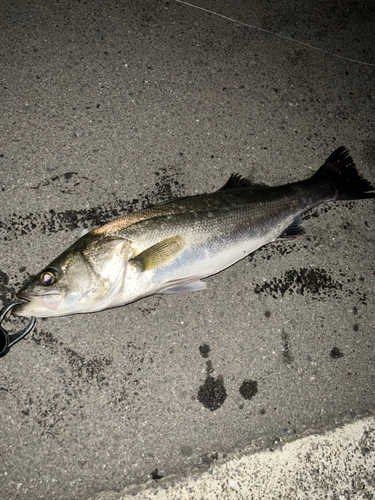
{"type": "Point", "coordinates": [36, 304]}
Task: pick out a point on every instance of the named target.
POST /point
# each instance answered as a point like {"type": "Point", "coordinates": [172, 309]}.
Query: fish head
{"type": "Point", "coordinates": [84, 278]}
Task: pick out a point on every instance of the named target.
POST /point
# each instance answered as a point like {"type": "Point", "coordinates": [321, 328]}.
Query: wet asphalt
{"type": "Point", "coordinates": [108, 107]}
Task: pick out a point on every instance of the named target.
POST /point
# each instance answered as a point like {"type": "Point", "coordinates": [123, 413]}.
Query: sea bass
{"type": "Point", "coordinates": [171, 247]}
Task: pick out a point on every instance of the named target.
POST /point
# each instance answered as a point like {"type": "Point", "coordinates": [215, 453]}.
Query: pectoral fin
{"type": "Point", "coordinates": [160, 253]}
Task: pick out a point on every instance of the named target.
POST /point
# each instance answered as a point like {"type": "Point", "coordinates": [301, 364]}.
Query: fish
{"type": "Point", "coordinates": [171, 247]}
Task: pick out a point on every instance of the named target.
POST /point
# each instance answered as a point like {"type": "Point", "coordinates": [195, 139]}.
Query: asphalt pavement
{"type": "Point", "coordinates": [108, 107]}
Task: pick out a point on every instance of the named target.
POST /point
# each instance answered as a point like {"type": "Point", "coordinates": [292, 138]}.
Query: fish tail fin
{"type": "Point", "coordinates": [345, 182]}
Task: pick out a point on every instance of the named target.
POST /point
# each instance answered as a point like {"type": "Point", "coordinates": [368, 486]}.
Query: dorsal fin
{"type": "Point", "coordinates": [236, 181]}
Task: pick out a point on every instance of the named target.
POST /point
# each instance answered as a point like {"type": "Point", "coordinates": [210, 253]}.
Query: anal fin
{"type": "Point", "coordinates": [295, 230]}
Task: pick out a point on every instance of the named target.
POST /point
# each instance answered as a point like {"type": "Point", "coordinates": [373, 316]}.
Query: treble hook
{"type": "Point", "coordinates": [6, 340]}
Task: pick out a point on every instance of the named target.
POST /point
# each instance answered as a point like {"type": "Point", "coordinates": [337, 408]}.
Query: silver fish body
{"type": "Point", "coordinates": [170, 248]}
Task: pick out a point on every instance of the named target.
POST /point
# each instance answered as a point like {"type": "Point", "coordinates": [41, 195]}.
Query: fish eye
{"type": "Point", "coordinates": [48, 277]}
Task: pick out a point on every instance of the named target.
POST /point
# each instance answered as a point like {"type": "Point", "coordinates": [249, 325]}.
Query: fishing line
{"type": "Point", "coordinates": [276, 34]}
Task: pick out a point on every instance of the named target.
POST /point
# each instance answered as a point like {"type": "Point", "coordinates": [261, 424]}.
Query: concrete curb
{"type": "Point", "coordinates": [337, 465]}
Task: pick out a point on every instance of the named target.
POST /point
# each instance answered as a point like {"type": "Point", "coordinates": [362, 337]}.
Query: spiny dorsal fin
{"type": "Point", "coordinates": [160, 253]}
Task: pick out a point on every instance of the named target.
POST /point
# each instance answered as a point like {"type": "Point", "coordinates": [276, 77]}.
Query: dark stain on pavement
{"type": "Point", "coordinates": [151, 309]}
{"type": "Point", "coordinates": [65, 183]}
{"type": "Point", "coordinates": [287, 356]}
{"type": "Point", "coordinates": [267, 252]}
{"type": "Point", "coordinates": [45, 339]}
{"type": "Point", "coordinates": [327, 208]}
{"type": "Point", "coordinates": [9, 285]}
{"type": "Point", "coordinates": [155, 475]}
{"type": "Point", "coordinates": [88, 369]}
{"type": "Point", "coordinates": [248, 389]}
{"type": "Point", "coordinates": [212, 393]}
{"type": "Point", "coordinates": [167, 186]}
{"type": "Point", "coordinates": [204, 350]}
{"type": "Point", "coordinates": [82, 368]}
{"type": "Point", "coordinates": [51, 221]}
{"type": "Point", "coordinates": [316, 282]}
{"type": "Point", "coordinates": [48, 222]}
{"type": "Point", "coordinates": [336, 353]}
{"type": "Point", "coordinates": [77, 375]}
{"type": "Point", "coordinates": [208, 458]}
{"type": "Point", "coordinates": [186, 451]}
{"type": "Point", "coordinates": [6, 290]}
